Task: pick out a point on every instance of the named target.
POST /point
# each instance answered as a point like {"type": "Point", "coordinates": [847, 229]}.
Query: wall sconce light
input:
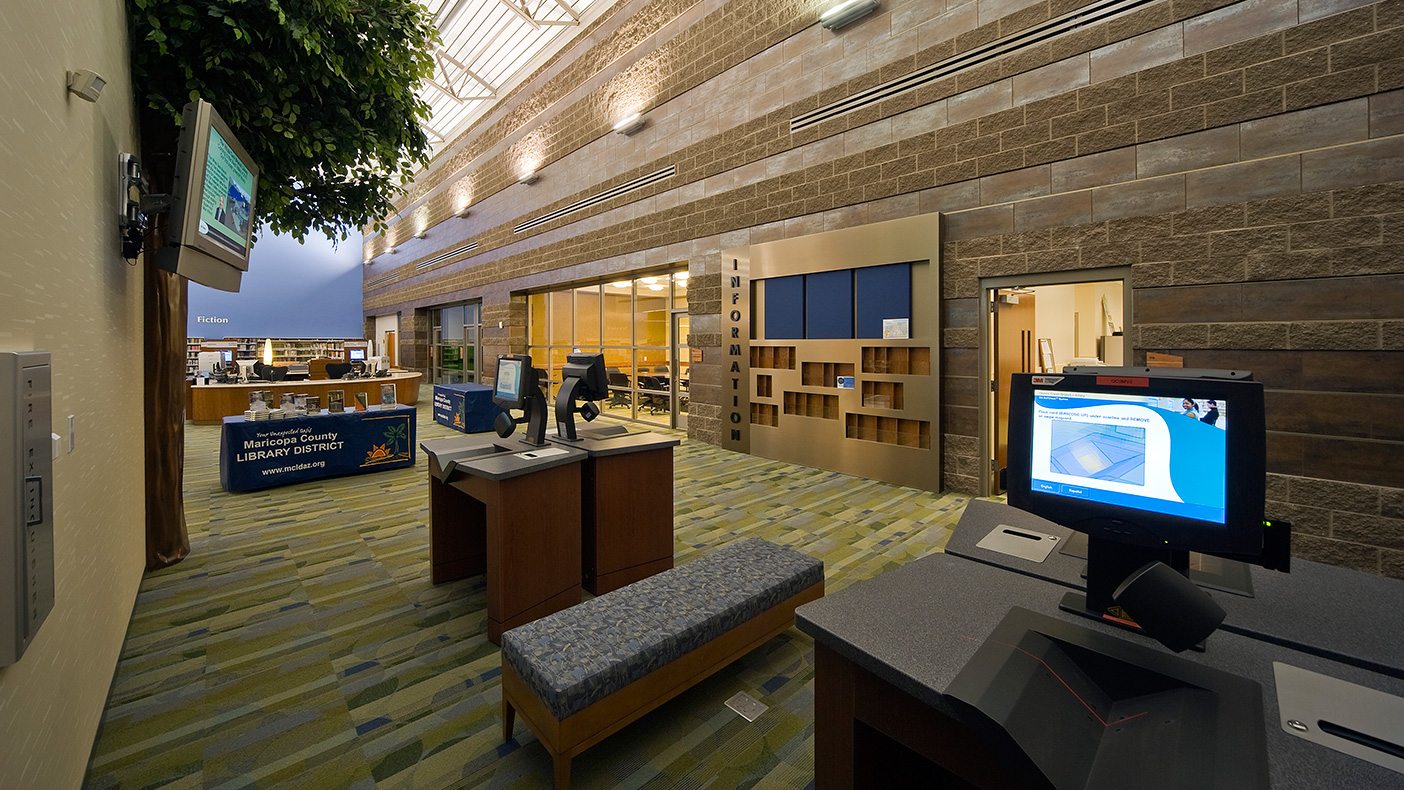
{"type": "Point", "coordinates": [529, 177]}
{"type": "Point", "coordinates": [392, 250]}
{"type": "Point", "coordinates": [847, 13]}
{"type": "Point", "coordinates": [420, 235]}
{"type": "Point", "coordinates": [463, 213]}
{"type": "Point", "coordinates": [630, 125]}
{"type": "Point", "coordinates": [85, 84]}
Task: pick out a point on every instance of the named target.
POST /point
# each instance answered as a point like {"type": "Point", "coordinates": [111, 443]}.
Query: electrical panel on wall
{"type": "Point", "coordinates": [26, 480]}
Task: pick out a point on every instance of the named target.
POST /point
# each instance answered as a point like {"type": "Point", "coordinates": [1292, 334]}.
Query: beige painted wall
{"type": "Point", "coordinates": [65, 288]}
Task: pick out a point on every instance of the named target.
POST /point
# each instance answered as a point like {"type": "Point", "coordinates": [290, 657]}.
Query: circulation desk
{"type": "Point", "coordinates": [207, 404]}
{"type": "Point", "coordinates": [626, 507]}
{"type": "Point", "coordinates": [267, 453]}
{"type": "Point", "coordinates": [496, 510]}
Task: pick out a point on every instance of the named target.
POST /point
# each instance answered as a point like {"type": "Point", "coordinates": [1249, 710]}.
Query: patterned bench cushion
{"type": "Point", "coordinates": [578, 656]}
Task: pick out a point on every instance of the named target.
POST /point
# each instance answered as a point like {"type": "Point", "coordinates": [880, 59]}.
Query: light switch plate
{"type": "Point", "coordinates": [58, 444]}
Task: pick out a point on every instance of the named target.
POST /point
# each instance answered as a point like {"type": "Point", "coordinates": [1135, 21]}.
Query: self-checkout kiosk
{"type": "Point", "coordinates": [627, 489]}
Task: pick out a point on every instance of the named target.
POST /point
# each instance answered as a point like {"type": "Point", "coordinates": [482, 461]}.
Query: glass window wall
{"type": "Point", "coordinates": [628, 321]}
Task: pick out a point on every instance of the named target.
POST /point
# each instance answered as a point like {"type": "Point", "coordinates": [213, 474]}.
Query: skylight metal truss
{"type": "Point", "coordinates": [487, 44]}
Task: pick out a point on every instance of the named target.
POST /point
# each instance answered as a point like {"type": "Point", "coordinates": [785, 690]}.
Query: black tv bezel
{"type": "Point", "coordinates": [1241, 535]}
{"type": "Point", "coordinates": [186, 252]}
{"type": "Point", "coordinates": [590, 369]}
{"type": "Point", "coordinates": [526, 380]}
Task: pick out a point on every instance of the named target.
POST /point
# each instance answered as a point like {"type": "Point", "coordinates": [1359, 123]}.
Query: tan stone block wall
{"type": "Point", "coordinates": [1245, 158]}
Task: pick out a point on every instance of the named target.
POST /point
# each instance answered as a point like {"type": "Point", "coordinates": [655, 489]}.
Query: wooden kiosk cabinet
{"type": "Point", "coordinates": [511, 511]}
{"type": "Point", "coordinates": [626, 508]}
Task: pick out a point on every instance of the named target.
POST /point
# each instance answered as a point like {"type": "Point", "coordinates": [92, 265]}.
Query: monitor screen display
{"type": "Point", "coordinates": [228, 356]}
{"type": "Point", "coordinates": [1156, 453]}
{"type": "Point", "coordinates": [226, 200]}
{"type": "Point", "coordinates": [509, 379]}
{"type": "Point", "coordinates": [356, 353]}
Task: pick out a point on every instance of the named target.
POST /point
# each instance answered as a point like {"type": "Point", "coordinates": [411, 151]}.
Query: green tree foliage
{"type": "Point", "coordinates": [320, 92]}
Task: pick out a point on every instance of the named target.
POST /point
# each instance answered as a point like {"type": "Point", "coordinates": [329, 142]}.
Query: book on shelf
{"type": "Point", "coordinates": [288, 403]}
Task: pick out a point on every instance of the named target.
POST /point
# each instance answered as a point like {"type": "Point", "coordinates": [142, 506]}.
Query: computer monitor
{"type": "Point", "coordinates": [1149, 463]}
{"type": "Point", "coordinates": [228, 355]}
{"type": "Point", "coordinates": [517, 387]}
{"type": "Point", "coordinates": [358, 354]}
{"type": "Point", "coordinates": [583, 378]}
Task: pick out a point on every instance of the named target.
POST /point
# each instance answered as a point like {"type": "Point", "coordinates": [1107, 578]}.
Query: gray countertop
{"type": "Point", "coordinates": [1339, 613]}
{"type": "Point", "coordinates": [917, 626]}
{"type": "Point", "coordinates": [485, 455]}
{"type": "Point", "coordinates": [632, 442]}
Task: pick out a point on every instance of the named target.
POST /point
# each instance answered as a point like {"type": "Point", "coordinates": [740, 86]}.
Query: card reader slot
{"type": "Point", "coordinates": [1362, 738]}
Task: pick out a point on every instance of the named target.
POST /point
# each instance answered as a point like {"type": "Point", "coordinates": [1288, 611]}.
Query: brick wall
{"type": "Point", "coordinates": [1245, 158]}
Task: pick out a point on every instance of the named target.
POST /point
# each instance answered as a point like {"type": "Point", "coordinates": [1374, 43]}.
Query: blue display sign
{"type": "Point", "coordinates": [465, 407]}
{"type": "Point", "coordinates": [263, 454]}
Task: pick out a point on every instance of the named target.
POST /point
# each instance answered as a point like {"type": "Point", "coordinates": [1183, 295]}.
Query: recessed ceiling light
{"type": "Point", "coordinates": [656, 287]}
{"type": "Point", "coordinates": [463, 212]}
{"type": "Point", "coordinates": [649, 280]}
{"type": "Point", "coordinates": [620, 284]}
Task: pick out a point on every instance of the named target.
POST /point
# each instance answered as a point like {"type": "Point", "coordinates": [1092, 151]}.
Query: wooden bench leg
{"type": "Point", "coordinates": [561, 763]}
{"type": "Point", "coordinates": [509, 719]}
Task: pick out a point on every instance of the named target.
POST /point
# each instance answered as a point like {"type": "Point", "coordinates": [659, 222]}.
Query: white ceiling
{"type": "Point", "coordinates": [488, 46]}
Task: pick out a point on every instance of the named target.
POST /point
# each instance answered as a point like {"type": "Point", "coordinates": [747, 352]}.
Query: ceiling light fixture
{"type": "Point", "coordinates": [620, 284]}
{"type": "Point", "coordinates": [681, 277]}
{"type": "Point", "coordinates": [630, 125]}
{"type": "Point", "coordinates": [649, 280]}
{"type": "Point", "coordinates": [529, 177]}
{"type": "Point", "coordinates": [656, 287]}
{"type": "Point", "coordinates": [847, 13]}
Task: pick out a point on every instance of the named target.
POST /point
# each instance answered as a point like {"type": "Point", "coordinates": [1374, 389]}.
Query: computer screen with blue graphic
{"type": "Point", "coordinates": [1160, 453]}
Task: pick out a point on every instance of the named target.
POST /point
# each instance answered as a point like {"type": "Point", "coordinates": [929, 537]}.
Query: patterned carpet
{"type": "Point", "coordinates": [301, 644]}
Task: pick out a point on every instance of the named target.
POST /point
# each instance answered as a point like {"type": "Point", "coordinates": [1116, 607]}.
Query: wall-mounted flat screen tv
{"type": "Point", "coordinates": [213, 202]}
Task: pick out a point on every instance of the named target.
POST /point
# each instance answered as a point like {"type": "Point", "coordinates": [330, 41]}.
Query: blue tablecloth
{"type": "Point", "coordinates": [263, 454]}
{"type": "Point", "coordinates": [465, 407]}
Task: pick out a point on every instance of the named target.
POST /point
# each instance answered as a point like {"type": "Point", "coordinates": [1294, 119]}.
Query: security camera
{"type": "Point", "coordinates": [86, 84]}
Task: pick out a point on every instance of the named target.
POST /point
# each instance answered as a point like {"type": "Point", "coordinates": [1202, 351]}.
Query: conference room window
{"type": "Point", "coordinates": [629, 321]}
{"type": "Point", "coordinates": [454, 334]}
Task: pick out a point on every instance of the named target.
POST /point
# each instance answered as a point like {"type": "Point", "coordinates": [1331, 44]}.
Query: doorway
{"type": "Point", "coordinates": [1039, 324]}
{"type": "Point", "coordinates": [681, 359]}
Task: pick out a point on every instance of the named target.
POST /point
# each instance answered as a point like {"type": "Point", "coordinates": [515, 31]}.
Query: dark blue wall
{"type": "Point", "coordinates": [291, 289]}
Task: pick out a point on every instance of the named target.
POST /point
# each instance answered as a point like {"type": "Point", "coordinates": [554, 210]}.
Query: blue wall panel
{"type": "Point", "coordinates": [784, 308]}
{"type": "Point", "coordinates": [292, 289]}
{"type": "Point", "coordinates": [882, 292]}
{"type": "Point", "coordinates": [828, 304]}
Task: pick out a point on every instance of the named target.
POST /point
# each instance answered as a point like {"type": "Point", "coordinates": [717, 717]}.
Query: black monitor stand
{"type": "Point", "coordinates": [533, 414]}
{"type": "Point", "coordinates": [566, 409]}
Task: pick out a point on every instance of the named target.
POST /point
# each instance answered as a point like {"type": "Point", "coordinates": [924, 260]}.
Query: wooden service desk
{"type": "Point", "coordinates": [514, 518]}
{"type": "Point", "coordinates": [627, 507]}
{"type": "Point", "coordinates": [210, 403]}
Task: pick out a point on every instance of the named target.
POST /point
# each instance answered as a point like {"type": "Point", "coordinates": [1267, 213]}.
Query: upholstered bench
{"type": "Point", "coordinates": [581, 674]}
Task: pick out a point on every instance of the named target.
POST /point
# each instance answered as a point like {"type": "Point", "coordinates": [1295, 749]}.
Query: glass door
{"type": "Point", "coordinates": [682, 359]}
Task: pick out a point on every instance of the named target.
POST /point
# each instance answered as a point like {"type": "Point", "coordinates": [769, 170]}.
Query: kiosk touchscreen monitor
{"type": "Point", "coordinates": [1151, 466]}
{"type": "Point", "coordinates": [511, 378]}
{"type": "Point", "coordinates": [517, 387]}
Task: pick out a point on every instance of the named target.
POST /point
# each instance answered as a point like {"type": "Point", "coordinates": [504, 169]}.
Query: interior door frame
{"type": "Point", "coordinates": [676, 341]}
{"type": "Point", "coordinates": [988, 288]}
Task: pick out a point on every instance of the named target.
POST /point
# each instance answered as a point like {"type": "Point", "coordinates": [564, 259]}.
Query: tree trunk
{"type": "Point", "coordinates": [167, 541]}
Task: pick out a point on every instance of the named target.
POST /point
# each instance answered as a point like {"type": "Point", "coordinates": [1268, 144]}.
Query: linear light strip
{"type": "Point", "coordinates": [1083, 17]}
{"type": "Point", "coordinates": [638, 183]}
{"type": "Point", "coordinates": [441, 257]}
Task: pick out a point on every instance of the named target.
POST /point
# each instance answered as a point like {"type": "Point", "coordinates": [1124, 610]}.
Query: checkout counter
{"type": "Point", "coordinates": [208, 404]}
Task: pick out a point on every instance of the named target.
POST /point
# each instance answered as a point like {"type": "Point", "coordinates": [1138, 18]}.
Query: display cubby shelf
{"type": "Point", "coordinates": [776, 357]}
{"type": "Point", "coordinates": [765, 414]}
{"type": "Point", "coordinates": [824, 374]}
{"type": "Point", "coordinates": [888, 430]}
{"type": "Point", "coordinates": [809, 404]}
{"type": "Point", "coordinates": [883, 395]}
{"type": "Point", "coordinates": [764, 386]}
{"type": "Point", "coordinates": [897, 360]}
